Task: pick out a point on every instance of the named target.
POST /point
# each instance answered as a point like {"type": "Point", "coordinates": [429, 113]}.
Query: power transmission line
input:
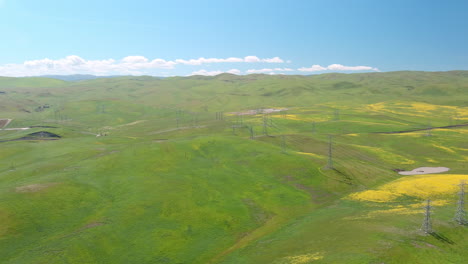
{"type": "Point", "coordinates": [283, 143]}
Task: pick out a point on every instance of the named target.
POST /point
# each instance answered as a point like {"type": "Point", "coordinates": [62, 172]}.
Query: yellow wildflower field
{"type": "Point", "coordinates": [461, 131]}
{"type": "Point", "coordinates": [420, 186]}
{"type": "Point", "coordinates": [418, 109]}
{"type": "Point", "coordinates": [311, 154]}
{"type": "Point", "coordinates": [409, 134]}
{"type": "Point", "coordinates": [299, 118]}
{"type": "Point", "coordinates": [398, 210]}
{"type": "Point", "coordinates": [301, 259]}
{"type": "Point", "coordinates": [385, 155]}
{"type": "Point", "coordinates": [444, 148]}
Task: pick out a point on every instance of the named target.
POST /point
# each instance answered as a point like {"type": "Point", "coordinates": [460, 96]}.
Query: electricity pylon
{"type": "Point", "coordinates": [429, 129]}
{"type": "Point", "coordinates": [265, 125]}
{"type": "Point", "coordinates": [283, 144]}
{"type": "Point", "coordinates": [460, 215]}
{"type": "Point", "coordinates": [337, 114]}
{"type": "Point", "coordinates": [330, 152]}
{"type": "Point", "coordinates": [427, 223]}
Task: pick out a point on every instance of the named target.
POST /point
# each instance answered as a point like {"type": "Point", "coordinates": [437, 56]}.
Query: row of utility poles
{"type": "Point", "coordinates": [267, 122]}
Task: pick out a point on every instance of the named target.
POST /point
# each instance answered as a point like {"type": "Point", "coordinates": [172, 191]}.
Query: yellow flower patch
{"type": "Point", "coordinates": [302, 259]}
{"type": "Point", "coordinates": [387, 156]}
{"type": "Point", "coordinates": [444, 148]}
{"type": "Point", "coordinates": [421, 186]}
{"type": "Point", "coordinates": [298, 118]}
{"type": "Point", "coordinates": [379, 196]}
{"type": "Point", "coordinates": [398, 210]}
{"type": "Point", "coordinates": [310, 154]}
{"type": "Point", "coordinates": [419, 109]}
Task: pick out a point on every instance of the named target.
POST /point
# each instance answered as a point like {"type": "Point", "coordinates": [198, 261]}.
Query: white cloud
{"type": "Point", "coordinates": [312, 68]}
{"type": "Point", "coordinates": [202, 60]}
{"type": "Point", "coordinates": [212, 73]}
{"type": "Point", "coordinates": [234, 71]}
{"type": "Point", "coordinates": [68, 65]}
{"type": "Point", "coordinates": [135, 59]}
{"type": "Point", "coordinates": [269, 70]}
{"type": "Point", "coordinates": [252, 59]}
{"type": "Point", "coordinates": [206, 73]}
{"type": "Point", "coordinates": [139, 65]}
{"type": "Point", "coordinates": [248, 59]}
{"type": "Point", "coordinates": [337, 67]}
{"type": "Point", "coordinates": [257, 59]}
{"type": "Point", "coordinates": [273, 60]}
{"type": "Point", "coordinates": [134, 65]}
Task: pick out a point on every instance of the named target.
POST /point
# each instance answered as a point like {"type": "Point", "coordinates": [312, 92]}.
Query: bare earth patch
{"type": "Point", "coordinates": [86, 227]}
{"type": "Point", "coordinates": [17, 128]}
{"type": "Point", "coordinates": [4, 122]}
{"type": "Point", "coordinates": [91, 225]}
{"type": "Point", "coordinates": [258, 111]}
{"type": "Point", "coordinates": [34, 187]}
{"type": "Point", "coordinates": [132, 123]}
{"type": "Point", "coordinates": [424, 170]}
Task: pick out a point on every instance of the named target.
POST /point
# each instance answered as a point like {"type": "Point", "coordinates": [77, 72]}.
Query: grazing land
{"type": "Point", "coordinates": [232, 169]}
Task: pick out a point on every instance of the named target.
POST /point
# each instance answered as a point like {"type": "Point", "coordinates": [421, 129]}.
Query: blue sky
{"type": "Point", "coordinates": [166, 38]}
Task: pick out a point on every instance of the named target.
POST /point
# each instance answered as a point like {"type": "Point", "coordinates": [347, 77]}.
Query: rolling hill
{"type": "Point", "coordinates": [232, 169]}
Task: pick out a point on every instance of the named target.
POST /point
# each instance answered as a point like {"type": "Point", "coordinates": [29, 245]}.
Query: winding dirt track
{"type": "Point", "coordinates": [420, 129]}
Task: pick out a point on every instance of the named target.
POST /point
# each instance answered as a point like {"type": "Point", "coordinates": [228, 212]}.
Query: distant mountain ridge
{"type": "Point", "coordinates": [84, 77]}
{"type": "Point", "coordinates": [76, 77]}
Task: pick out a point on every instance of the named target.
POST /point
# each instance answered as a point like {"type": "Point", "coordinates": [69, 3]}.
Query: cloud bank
{"type": "Point", "coordinates": [140, 65]}
{"type": "Point", "coordinates": [337, 67]}
{"type": "Point", "coordinates": [213, 73]}
{"type": "Point", "coordinates": [270, 70]}
{"type": "Point", "coordinates": [131, 65]}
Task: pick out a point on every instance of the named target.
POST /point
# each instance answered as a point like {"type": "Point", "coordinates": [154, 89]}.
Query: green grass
{"type": "Point", "coordinates": [158, 190]}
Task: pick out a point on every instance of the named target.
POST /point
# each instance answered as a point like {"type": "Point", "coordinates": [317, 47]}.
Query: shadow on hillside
{"type": "Point", "coordinates": [442, 238]}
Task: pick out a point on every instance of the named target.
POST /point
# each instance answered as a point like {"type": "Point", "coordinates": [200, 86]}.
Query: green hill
{"type": "Point", "coordinates": [232, 169]}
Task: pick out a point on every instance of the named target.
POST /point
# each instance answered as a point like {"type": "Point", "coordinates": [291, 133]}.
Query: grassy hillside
{"type": "Point", "coordinates": [232, 169]}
